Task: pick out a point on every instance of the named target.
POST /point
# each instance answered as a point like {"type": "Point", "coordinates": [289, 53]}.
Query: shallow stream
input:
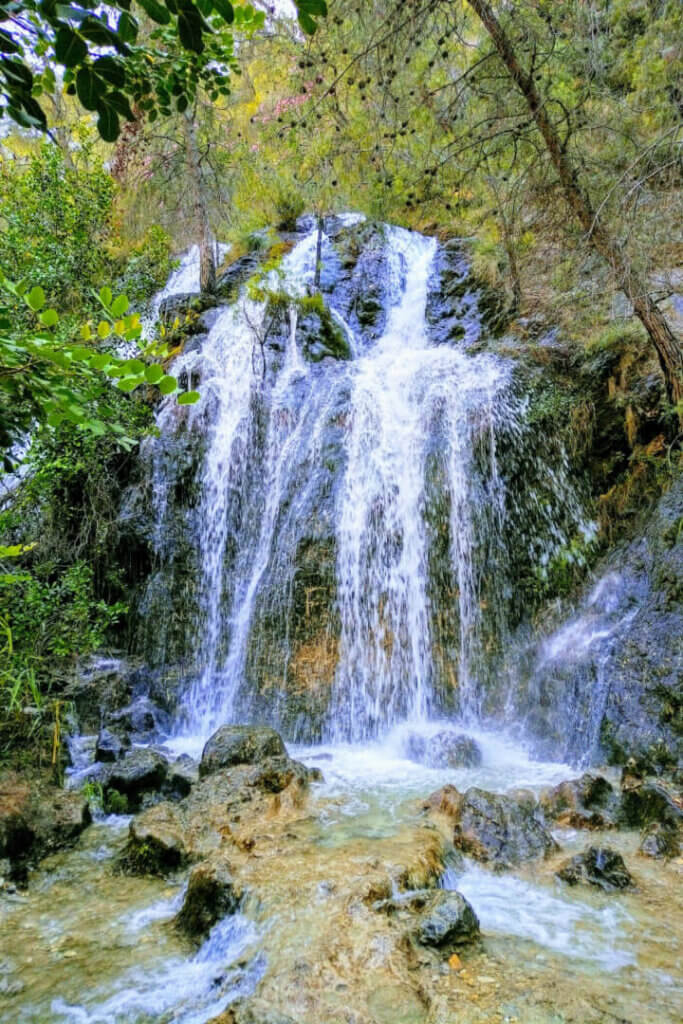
{"type": "Point", "coordinates": [85, 945]}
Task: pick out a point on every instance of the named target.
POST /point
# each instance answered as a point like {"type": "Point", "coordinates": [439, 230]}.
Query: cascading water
{"type": "Point", "coordinates": [417, 425]}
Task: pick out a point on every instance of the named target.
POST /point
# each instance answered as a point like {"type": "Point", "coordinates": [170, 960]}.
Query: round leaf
{"type": "Point", "coordinates": [188, 398]}
{"type": "Point", "coordinates": [167, 385]}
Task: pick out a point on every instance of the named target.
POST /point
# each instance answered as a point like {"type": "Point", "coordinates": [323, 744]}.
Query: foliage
{"type": "Point", "coordinates": [109, 58]}
{"type": "Point", "coordinates": [148, 266]}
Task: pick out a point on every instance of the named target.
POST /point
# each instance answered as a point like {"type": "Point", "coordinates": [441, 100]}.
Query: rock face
{"type": "Point", "coordinates": [35, 821]}
{"type": "Point", "coordinates": [587, 802]}
{"type": "Point", "coordinates": [212, 894]}
{"type": "Point", "coordinates": [447, 922]}
{"type": "Point", "coordinates": [597, 866]}
{"type": "Point", "coordinates": [608, 685]}
{"type": "Point", "coordinates": [493, 828]}
{"type": "Point", "coordinates": [240, 744]}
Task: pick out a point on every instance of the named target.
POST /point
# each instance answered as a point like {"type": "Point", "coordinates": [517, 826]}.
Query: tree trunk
{"type": "Point", "coordinates": [207, 254]}
{"type": "Point", "coordinates": [666, 343]}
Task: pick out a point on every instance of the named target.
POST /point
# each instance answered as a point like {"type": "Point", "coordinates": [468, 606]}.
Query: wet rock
{"type": "Point", "coordinates": [101, 688]}
{"type": "Point", "coordinates": [240, 744]}
{"type": "Point", "coordinates": [661, 841]}
{"type": "Point", "coordinates": [182, 775]}
{"type": "Point", "coordinates": [453, 750]}
{"type": "Point", "coordinates": [212, 894]}
{"type": "Point", "coordinates": [141, 771]}
{"type": "Point", "coordinates": [587, 802]}
{"type": "Point", "coordinates": [110, 747]}
{"type": "Point", "coordinates": [142, 718]}
{"type": "Point", "coordinates": [491, 827]}
{"type": "Point", "coordinates": [645, 802]}
{"type": "Point", "coordinates": [447, 921]}
{"type": "Point", "coordinates": [37, 820]}
{"type": "Point", "coordinates": [599, 866]}
{"type": "Point", "coordinates": [156, 842]}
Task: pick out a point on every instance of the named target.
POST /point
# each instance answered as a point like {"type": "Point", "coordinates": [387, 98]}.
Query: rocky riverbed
{"type": "Point", "coordinates": [356, 884]}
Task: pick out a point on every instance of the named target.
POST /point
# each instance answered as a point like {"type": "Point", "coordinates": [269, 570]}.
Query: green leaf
{"type": "Point", "coordinates": [307, 23]}
{"type": "Point", "coordinates": [106, 296]}
{"type": "Point", "coordinates": [127, 28]}
{"type": "Point", "coordinates": [108, 123]}
{"type": "Point", "coordinates": [156, 11]}
{"type": "Point", "coordinates": [49, 318]}
{"type": "Point", "coordinates": [225, 9]}
{"type": "Point", "coordinates": [7, 43]}
{"type": "Point", "coordinates": [89, 88]}
{"type": "Point", "coordinates": [133, 366]}
{"type": "Point", "coordinates": [190, 29]}
{"type": "Point", "coordinates": [120, 306]}
{"type": "Point", "coordinates": [188, 398]}
{"type": "Point", "coordinates": [167, 385]}
{"type": "Point", "coordinates": [36, 298]}
{"type": "Point", "coordinates": [70, 49]}
{"type": "Point", "coordinates": [128, 383]}
{"type": "Point", "coordinates": [153, 373]}
{"type": "Point", "coordinates": [111, 70]}
{"type": "Point", "coordinates": [100, 360]}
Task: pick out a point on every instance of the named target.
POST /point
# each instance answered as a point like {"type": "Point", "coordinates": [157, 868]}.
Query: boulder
{"type": "Point", "coordinates": [156, 842]}
{"type": "Point", "coordinates": [644, 802]}
{"type": "Point", "coordinates": [211, 895]}
{"type": "Point", "coordinates": [494, 828]}
{"type": "Point", "coordinates": [37, 820]}
{"type": "Point", "coordinates": [110, 746]}
{"type": "Point", "coordinates": [240, 744]}
{"type": "Point", "coordinates": [599, 866]}
{"type": "Point", "coordinates": [141, 771]}
{"type": "Point", "coordinates": [182, 775]}
{"type": "Point", "coordinates": [453, 750]}
{"type": "Point", "coordinates": [661, 841]}
{"type": "Point", "coordinates": [143, 717]}
{"type": "Point", "coordinates": [447, 921]}
{"type": "Point", "coordinates": [587, 802]}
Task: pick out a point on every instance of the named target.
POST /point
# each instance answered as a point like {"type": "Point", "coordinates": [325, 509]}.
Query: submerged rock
{"type": "Point", "coordinates": [599, 866]}
{"type": "Point", "coordinates": [212, 894]}
{"type": "Point", "coordinates": [587, 802]}
{"type": "Point", "coordinates": [447, 921]}
{"type": "Point", "coordinates": [491, 827]}
{"type": "Point", "coordinates": [240, 744]}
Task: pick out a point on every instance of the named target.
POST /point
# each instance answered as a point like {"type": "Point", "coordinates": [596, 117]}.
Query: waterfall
{"type": "Point", "coordinates": [387, 466]}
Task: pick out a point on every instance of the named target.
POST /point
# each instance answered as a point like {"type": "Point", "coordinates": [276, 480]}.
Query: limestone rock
{"type": "Point", "coordinates": [447, 921]}
{"type": "Point", "coordinates": [661, 841]}
{"type": "Point", "coordinates": [587, 802]}
{"type": "Point", "coordinates": [645, 802]}
{"type": "Point", "coordinates": [212, 894]}
{"type": "Point", "coordinates": [599, 866]}
{"type": "Point", "coordinates": [453, 750]}
{"type": "Point", "coordinates": [156, 842]}
{"type": "Point", "coordinates": [37, 820]}
{"type": "Point", "coordinates": [240, 744]}
{"type": "Point", "coordinates": [491, 827]}
{"type": "Point", "coordinates": [110, 746]}
{"type": "Point", "coordinates": [141, 771]}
